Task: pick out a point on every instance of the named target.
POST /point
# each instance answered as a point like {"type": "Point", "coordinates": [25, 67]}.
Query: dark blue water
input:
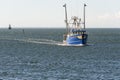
{"type": "Point", "coordinates": [35, 55]}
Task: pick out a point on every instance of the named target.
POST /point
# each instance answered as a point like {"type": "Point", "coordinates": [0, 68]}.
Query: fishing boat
{"type": "Point", "coordinates": [75, 30]}
{"type": "Point", "coordinates": [9, 27]}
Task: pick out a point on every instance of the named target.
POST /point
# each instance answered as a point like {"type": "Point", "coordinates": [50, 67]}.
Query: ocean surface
{"type": "Point", "coordinates": [34, 54]}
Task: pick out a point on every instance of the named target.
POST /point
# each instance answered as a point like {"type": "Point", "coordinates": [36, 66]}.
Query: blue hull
{"type": "Point", "coordinates": [77, 39]}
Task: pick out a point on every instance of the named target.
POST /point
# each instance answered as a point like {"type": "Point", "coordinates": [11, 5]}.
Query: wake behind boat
{"type": "Point", "coordinates": [75, 34]}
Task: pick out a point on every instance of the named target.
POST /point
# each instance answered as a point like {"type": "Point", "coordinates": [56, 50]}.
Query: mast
{"type": "Point", "coordinates": [84, 14]}
{"type": "Point", "coordinates": [66, 19]}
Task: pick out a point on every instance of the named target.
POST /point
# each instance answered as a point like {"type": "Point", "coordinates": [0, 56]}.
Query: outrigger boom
{"type": "Point", "coordinates": [84, 14]}
{"type": "Point", "coordinates": [66, 19]}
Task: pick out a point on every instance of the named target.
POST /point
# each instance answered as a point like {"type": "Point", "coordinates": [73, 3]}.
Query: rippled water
{"type": "Point", "coordinates": [35, 55]}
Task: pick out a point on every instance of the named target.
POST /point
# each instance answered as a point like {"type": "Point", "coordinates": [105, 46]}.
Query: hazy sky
{"type": "Point", "coordinates": [50, 13]}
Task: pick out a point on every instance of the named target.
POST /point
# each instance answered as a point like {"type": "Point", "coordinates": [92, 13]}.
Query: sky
{"type": "Point", "coordinates": [50, 13]}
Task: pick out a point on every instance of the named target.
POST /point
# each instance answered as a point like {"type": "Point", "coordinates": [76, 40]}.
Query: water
{"type": "Point", "coordinates": [35, 55]}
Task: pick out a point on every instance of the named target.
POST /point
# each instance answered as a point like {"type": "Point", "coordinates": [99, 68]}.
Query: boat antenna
{"type": "Point", "coordinates": [84, 14]}
{"type": "Point", "coordinates": [66, 19]}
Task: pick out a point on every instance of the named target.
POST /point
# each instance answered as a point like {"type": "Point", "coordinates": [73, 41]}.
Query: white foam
{"type": "Point", "coordinates": [48, 42]}
{"type": "Point", "coordinates": [42, 41]}
{"type": "Point", "coordinates": [63, 44]}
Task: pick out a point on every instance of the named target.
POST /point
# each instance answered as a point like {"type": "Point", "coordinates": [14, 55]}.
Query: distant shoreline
{"type": "Point", "coordinates": [52, 28]}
